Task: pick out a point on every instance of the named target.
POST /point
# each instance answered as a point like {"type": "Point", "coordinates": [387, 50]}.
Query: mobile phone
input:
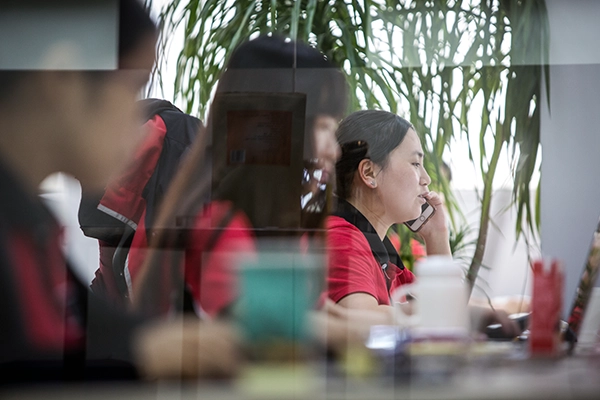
{"type": "Point", "coordinates": [427, 211]}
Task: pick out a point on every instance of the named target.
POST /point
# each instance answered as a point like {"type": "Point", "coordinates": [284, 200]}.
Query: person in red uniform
{"type": "Point", "coordinates": [380, 182]}
{"type": "Point", "coordinates": [242, 202]}
{"type": "Point", "coordinates": [82, 123]}
{"type": "Point", "coordinates": [131, 199]}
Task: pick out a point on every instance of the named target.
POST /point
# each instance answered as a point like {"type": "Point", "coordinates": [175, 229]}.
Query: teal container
{"type": "Point", "coordinates": [277, 289]}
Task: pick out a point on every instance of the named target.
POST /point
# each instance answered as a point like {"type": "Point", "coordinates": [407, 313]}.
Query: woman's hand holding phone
{"type": "Point", "coordinates": [427, 211]}
{"type": "Point", "coordinates": [435, 231]}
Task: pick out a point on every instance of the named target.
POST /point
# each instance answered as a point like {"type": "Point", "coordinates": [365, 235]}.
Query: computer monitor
{"type": "Point", "coordinates": [587, 282]}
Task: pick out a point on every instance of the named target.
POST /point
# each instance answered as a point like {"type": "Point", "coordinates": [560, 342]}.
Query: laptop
{"type": "Point", "coordinates": [583, 312]}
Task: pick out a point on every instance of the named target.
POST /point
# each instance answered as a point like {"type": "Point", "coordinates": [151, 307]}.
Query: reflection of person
{"type": "Point", "coordinates": [84, 125]}
{"type": "Point", "coordinates": [274, 65]}
{"type": "Point", "coordinates": [244, 200]}
{"type": "Point", "coordinates": [380, 181]}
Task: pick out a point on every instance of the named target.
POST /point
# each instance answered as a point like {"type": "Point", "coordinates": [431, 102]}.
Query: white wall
{"type": "Point", "coordinates": [62, 194]}
{"type": "Point", "coordinates": [506, 269]}
{"type": "Point", "coordinates": [570, 135]}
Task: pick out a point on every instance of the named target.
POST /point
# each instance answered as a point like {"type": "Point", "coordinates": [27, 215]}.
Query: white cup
{"type": "Point", "coordinates": [440, 305]}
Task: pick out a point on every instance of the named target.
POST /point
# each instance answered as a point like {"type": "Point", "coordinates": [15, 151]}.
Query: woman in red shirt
{"type": "Point", "coordinates": [222, 204]}
{"type": "Point", "coordinates": [380, 182]}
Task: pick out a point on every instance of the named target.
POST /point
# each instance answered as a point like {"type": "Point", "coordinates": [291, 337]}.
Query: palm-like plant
{"type": "Point", "coordinates": [453, 68]}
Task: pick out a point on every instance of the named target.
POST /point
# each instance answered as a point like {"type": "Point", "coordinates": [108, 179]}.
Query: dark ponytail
{"type": "Point", "coordinates": [352, 154]}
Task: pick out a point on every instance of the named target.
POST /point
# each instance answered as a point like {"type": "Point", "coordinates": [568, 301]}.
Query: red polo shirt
{"type": "Point", "coordinates": [210, 269]}
{"type": "Point", "coordinates": [353, 266]}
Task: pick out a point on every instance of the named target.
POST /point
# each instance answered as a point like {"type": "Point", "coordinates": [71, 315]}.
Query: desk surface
{"type": "Point", "coordinates": [567, 378]}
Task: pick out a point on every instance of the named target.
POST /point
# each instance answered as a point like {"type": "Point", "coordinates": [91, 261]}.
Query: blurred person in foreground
{"type": "Point", "coordinates": [83, 123]}
{"type": "Point", "coordinates": [244, 202]}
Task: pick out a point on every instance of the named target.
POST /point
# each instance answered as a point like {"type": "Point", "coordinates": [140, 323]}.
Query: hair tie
{"type": "Point", "coordinates": [352, 154]}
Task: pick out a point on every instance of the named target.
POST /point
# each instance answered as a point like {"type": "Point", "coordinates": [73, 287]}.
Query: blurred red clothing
{"type": "Point", "coordinates": [212, 255]}
{"type": "Point", "coordinates": [352, 268]}
{"type": "Point", "coordinates": [418, 250]}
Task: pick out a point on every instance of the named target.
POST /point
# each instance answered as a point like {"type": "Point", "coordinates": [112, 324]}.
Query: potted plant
{"type": "Point", "coordinates": [453, 69]}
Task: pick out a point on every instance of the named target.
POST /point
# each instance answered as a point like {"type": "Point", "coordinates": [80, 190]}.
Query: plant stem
{"type": "Point", "coordinates": [484, 220]}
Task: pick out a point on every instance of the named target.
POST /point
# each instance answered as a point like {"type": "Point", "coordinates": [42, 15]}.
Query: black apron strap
{"type": "Point", "coordinates": [383, 251]}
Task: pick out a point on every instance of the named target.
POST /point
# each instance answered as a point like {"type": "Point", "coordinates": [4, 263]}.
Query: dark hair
{"type": "Point", "coordinates": [371, 134]}
{"type": "Point", "coordinates": [8, 82]}
{"type": "Point", "coordinates": [134, 25]}
{"type": "Point", "coordinates": [291, 66]}
{"type": "Point", "coordinates": [276, 64]}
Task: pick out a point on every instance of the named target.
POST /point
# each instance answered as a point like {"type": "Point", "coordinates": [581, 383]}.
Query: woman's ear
{"type": "Point", "coordinates": [366, 173]}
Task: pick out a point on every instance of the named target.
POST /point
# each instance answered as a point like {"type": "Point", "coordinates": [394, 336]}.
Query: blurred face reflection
{"type": "Point", "coordinates": [326, 148]}
{"type": "Point", "coordinates": [326, 151]}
